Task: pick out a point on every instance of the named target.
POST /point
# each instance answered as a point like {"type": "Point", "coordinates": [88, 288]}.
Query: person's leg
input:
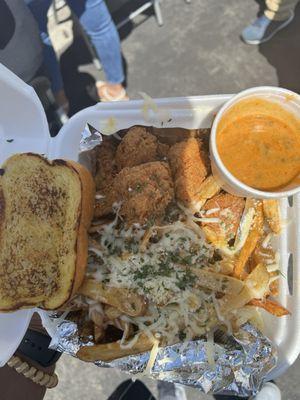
{"type": "Point", "coordinates": [278, 14]}
{"type": "Point", "coordinates": [39, 9]}
{"type": "Point", "coordinates": [98, 24]}
{"type": "Point", "coordinates": [280, 10]}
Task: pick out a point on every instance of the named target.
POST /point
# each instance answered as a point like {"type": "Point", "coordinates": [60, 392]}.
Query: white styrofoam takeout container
{"type": "Point", "coordinates": [23, 120]}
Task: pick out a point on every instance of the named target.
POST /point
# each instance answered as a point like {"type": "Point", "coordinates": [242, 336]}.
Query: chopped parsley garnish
{"type": "Point", "coordinates": [165, 269]}
{"type": "Point", "coordinates": [187, 260]}
{"type": "Point", "coordinates": [145, 271]}
{"type": "Point", "coordinates": [187, 279]}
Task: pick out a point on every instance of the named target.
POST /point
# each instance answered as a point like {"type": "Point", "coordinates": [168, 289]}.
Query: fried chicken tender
{"type": "Point", "coordinates": [162, 151]}
{"type": "Point", "coordinates": [189, 166]}
{"type": "Point", "coordinates": [137, 147]}
{"type": "Point", "coordinates": [171, 136]}
{"type": "Point", "coordinates": [144, 192]}
{"type": "Point", "coordinates": [228, 209]}
{"type": "Point", "coordinates": [106, 166]}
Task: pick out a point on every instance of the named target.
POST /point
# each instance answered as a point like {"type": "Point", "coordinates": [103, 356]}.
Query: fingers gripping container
{"type": "Point", "coordinates": [23, 127]}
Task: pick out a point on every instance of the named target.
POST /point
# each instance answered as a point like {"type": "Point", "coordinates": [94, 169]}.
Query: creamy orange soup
{"type": "Point", "coordinates": [259, 143]}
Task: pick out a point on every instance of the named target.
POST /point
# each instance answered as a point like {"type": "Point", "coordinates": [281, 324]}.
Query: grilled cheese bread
{"type": "Point", "coordinates": [45, 211]}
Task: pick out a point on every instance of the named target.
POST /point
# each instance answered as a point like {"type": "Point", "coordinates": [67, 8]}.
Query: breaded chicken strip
{"type": "Point", "coordinates": [137, 147]}
{"type": "Point", "coordinates": [171, 136]}
{"type": "Point", "coordinates": [228, 209]}
{"type": "Point", "coordinates": [106, 166]}
{"type": "Point", "coordinates": [189, 166]}
{"type": "Point", "coordinates": [144, 192]}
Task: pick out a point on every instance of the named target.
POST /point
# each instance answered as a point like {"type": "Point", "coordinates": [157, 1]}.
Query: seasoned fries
{"type": "Point", "coordinates": [254, 235]}
{"type": "Point", "coordinates": [217, 282]}
{"type": "Point", "coordinates": [123, 299]}
{"type": "Point", "coordinates": [227, 209]}
{"type": "Point", "coordinates": [175, 256]}
{"type": "Point", "coordinates": [208, 188]}
{"type": "Point", "coordinates": [258, 281]}
{"type": "Point", "coordinates": [272, 214]}
{"type": "Point", "coordinates": [110, 351]}
{"type": "Point", "coordinates": [271, 306]}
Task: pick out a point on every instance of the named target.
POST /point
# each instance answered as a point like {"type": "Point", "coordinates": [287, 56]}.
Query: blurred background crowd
{"type": "Point", "coordinates": [78, 52]}
{"type": "Point", "coordinates": [91, 50]}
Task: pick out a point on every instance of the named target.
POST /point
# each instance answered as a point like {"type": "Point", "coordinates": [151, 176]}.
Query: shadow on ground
{"type": "Point", "coordinates": [79, 86]}
{"type": "Point", "coordinates": [283, 53]}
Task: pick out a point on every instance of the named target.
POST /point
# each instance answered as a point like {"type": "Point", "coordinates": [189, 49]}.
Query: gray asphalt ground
{"type": "Point", "coordinates": [197, 51]}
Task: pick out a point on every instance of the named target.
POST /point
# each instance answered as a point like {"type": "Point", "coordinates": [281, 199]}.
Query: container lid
{"type": "Point", "coordinates": [23, 127]}
{"type": "Point", "coordinates": [23, 123]}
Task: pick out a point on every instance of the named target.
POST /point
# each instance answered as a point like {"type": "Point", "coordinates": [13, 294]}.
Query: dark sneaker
{"type": "Point", "coordinates": [263, 29]}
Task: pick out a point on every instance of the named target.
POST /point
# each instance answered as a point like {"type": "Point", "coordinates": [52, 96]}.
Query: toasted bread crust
{"type": "Point", "coordinates": [84, 222]}
{"type": "Point", "coordinates": [81, 223]}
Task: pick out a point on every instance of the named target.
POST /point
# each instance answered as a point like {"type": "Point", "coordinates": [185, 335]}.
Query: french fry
{"type": "Point", "coordinates": [125, 300]}
{"type": "Point", "coordinates": [112, 351]}
{"type": "Point", "coordinates": [232, 302]}
{"type": "Point", "coordinates": [96, 317]}
{"type": "Point", "coordinates": [112, 312]}
{"type": "Point", "coordinates": [258, 281]}
{"type": "Point", "coordinates": [226, 266]}
{"type": "Point", "coordinates": [208, 188]}
{"type": "Point", "coordinates": [219, 241]}
{"type": "Point", "coordinates": [98, 333]}
{"type": "Point", "coordinates": [274, 287]}
{"type": "Point", "coordinates": [263, 255]}
{"type": "Point", "coordinates": [272, 214]}
{"type": "Point", "coordinates": [271, 306]}
{"type": "Point", "coordinates": [255, 285]}
{"type": "Point", "coordinates": [245, 314]}
{"type": "Point", "coordinates": [217, 282]}
{"type": "Point", "coordinates": [254, 235]}
{"type": "Point", "coordinates": [228, 210]}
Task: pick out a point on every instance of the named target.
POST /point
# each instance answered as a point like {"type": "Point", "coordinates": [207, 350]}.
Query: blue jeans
{"type": "Point", "coordinates": [96, 21]}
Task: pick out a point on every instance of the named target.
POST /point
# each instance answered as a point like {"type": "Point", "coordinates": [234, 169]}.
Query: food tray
{"type": "Point", "coordinates": [187, 112]}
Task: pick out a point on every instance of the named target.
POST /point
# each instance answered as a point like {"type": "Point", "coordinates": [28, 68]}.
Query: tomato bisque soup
{"type": "Point", "coordinates": [258, 141]}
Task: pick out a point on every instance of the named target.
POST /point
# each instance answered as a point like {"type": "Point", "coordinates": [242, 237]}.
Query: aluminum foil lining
{"type": "Point", "coordinates": [90, 138]}
{"type": "Point", "coordinates": [232, 365]}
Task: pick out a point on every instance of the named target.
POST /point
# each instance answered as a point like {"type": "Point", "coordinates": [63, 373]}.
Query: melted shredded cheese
{"type": "Point", "coordinates": [152, 357]}
{"type": "Point", "coordinates": [210, 348]}
{"type": "Point", "coordinates": [243, 233]}
{"type": "Point", "coordinates": [266, 240]}
{"type": "Point", "coordinates": [153, 272]}
{"type": "Point", "coordinates": [156, 262]}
